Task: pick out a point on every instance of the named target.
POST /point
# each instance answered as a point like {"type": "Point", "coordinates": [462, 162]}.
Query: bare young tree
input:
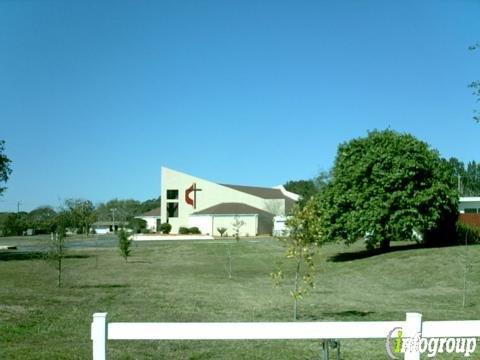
{"type": "Point", "coordinates": [236, 224]}
{"type": "Point", "coordinates": [56, 253]}
{"type": "Point", "coordinates": [301, 241]}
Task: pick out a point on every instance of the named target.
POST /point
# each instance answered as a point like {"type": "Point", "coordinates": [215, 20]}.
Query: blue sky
{"type": "Point", "coordinates": [96, 96]}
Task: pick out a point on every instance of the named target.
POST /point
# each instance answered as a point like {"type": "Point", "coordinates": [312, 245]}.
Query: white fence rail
{"type": "Point", "coordinates": [102, 331]}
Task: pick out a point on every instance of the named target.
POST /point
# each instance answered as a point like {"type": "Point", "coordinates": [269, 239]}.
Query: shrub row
{"type": "Point", "coordinates": [185, 230]}
{"type": "Point", "coordinates": [467, 233]}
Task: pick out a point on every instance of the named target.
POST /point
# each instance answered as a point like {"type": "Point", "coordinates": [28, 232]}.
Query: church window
{"type": "Point", "coordinates": [172, 194]}
{"type": "Point", "coordinates": [172, 209]}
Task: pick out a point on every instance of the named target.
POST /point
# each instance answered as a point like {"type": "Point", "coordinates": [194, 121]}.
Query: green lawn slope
{"type": "Point", "coordinates": [186, 281]}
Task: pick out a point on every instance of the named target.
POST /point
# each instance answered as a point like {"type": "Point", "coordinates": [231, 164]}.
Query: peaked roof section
{"type": "Point", "coordinates": [262, 192]}
{"type": "Point", "coordinates": [153, 212]}
{"type": "Point", "coordinates": [265, 193]}
{"type": "Point", "coordinates": [232, 209]}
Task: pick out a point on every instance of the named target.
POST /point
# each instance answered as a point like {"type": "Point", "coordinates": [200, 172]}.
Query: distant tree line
{"type": "Point", "coordinates": [467, 176]}
{"type": "Point", "coordinates": [309, 187]}
{"type": "Point", "coordinates": [76, 215]}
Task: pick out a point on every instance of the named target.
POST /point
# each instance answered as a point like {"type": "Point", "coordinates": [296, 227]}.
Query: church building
{"type": "Point", "coordinates": [190, 201]}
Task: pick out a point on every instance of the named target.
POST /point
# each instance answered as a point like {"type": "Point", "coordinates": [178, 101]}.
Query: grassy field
{"type": "Point", "coordinates": [187, 281]}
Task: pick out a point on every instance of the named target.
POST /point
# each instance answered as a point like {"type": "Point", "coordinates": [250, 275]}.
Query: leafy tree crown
{"type": "Point", "coordinates": [385, 187]}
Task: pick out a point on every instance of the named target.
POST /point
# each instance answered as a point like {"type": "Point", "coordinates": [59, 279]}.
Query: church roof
{"type": "Point", "coordinates": [262, 192]}
{"type": "Point", "coordinates": [232, 209]}
{"type": "Point", "coordinates": [265, 193]}
{"type": "Point", "coordinates": [153, 212]}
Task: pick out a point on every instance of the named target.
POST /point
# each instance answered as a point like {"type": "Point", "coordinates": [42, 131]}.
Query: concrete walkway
{"type": "Point", "coordinates": [159, 237]}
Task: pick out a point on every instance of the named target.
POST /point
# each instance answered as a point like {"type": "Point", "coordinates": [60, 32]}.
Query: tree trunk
{"type": "Point", "coordinates": [59, 273]}
{"type": "Point", "coordinates": [465, 273]}
{"type": "Point", "coordinates": [297, 274]}
{"type": "Point", "coordinates": [229, 263]}
{"type": "Point", "coordinates": [385, 244]}
{"type": "Point", "coordinates": [229, 258]}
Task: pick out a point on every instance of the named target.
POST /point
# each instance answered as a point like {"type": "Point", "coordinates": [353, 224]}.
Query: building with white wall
{"type": "Point", "coordinates": [191, 201]}
{"type": "Point", "coordinates": [152, 218]}
{"type": "Point", "coordinates": [469, 205]}
{"type": "Point", "coordinates": [469, 209]}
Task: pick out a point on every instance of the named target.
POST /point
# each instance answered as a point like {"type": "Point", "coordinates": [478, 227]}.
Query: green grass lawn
{"type": "Point", "coordinates": [186, 281]}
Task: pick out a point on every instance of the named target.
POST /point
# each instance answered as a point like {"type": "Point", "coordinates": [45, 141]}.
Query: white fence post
{"type": "Point", "coordinates": [99, 336]}
{"type": "Point", "coordinates": [412, 334]}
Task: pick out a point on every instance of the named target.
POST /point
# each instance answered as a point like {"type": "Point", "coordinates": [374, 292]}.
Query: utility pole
{"type": "Point", "coordinates": [113, 214]}
{"type": "Point", "coordinates": [459, 185]}
{"type": "Point", "coordinates": [18, 206]}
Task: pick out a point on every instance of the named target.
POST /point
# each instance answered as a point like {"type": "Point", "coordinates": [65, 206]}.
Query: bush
{"type": "Point", "coordinates": [183, 230]}
{"type": "Point", "coordinates": [187, 231]}
{"type": "Point", "coordinates": [165, 228]}
{"type": "Point", "coordinates": [222, 231]}
{"type": "Point", "coordinates": [124, 244]}
{"type": "Point", "coordinates": [466, 231]}
{"type": "Point", "coordinates": [137, 225]}
{"type": "Point", "coordinates": [195, 230]}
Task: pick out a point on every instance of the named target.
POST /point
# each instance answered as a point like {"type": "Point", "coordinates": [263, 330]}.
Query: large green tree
{"type": "Point", "coordinates": [14, 224]}
{"type": "Point", "coordinates": [5, 169]}
{"type": "Point", "coordinates": [42, 220]}
{"type": "Point", "coordinates": [388, 186]}
{"type": "Point", "coordinates": [80, 214]}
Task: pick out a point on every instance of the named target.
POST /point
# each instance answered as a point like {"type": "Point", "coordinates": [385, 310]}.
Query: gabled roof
{"type": "Point", "coordinates": [232, 209]}
{"type": "Point", "coordinates": [265, 193]}
{"type": "Point", "coordinates": [153, 212]}
{"type": "Point", "coordinates": [262, 192]}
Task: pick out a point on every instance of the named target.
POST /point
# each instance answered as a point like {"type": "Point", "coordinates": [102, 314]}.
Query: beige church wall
{"type": "Point", "coordinates": [211, 194]}
{"type": "Point", "coordinates": [226, 221]}
{"type": "Point", "coordinates": [274, 206]}
{"type": "Point", "coordinates": [151, 223]}
{"type": "Point", "coordinates": [203, 222]}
